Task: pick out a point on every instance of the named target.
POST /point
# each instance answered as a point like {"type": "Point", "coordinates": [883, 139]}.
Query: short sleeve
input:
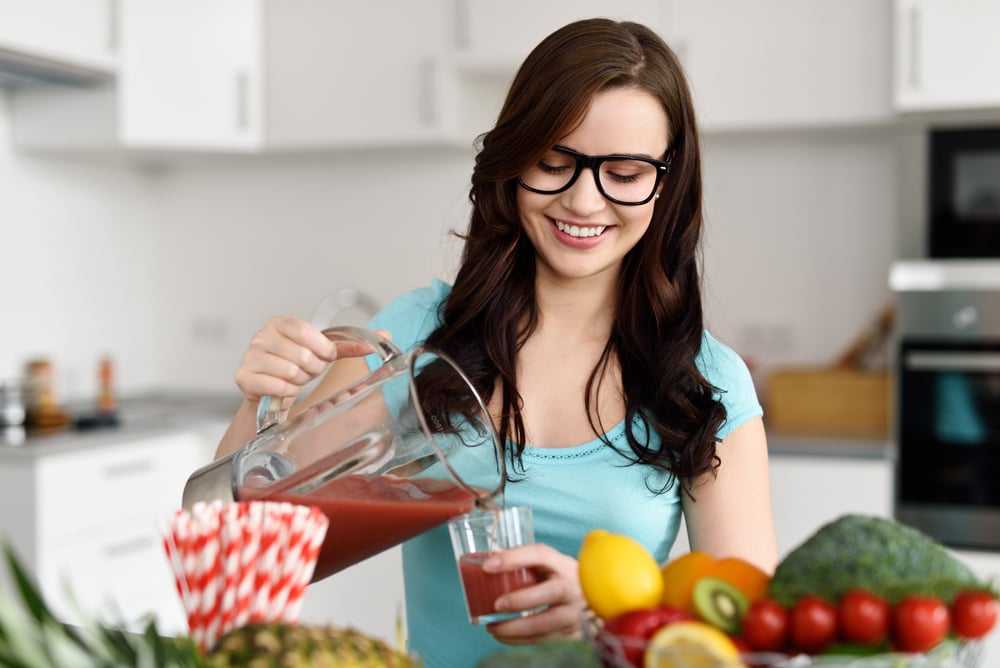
{"type": "Point", "coordinates": [411, 317]}
{"type": "Point", "coordinates": [728, 373]}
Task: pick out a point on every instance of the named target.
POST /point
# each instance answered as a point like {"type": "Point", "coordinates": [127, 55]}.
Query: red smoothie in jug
{"type": "Point", "coordinates": [369, 515]}
{"type": "Point", "coordinates": [482, 589]}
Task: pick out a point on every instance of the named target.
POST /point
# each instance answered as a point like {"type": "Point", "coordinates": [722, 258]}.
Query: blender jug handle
{"type": "Point", "coordinates": [269, 408]}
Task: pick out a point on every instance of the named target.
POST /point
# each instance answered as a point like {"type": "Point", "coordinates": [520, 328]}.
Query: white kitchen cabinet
{"type": "Point", "coordinates": [83, 517]}
{"type": "Point", "coordinates": [494, 37]}
{"type": "Point", "coordinates": [247, 76]}
{"type": "Point", "coordinates": [282, 74]}
{"type": "Point", "coordinates": [946, 54]}
{"type": "Point", "coordinates": [809, 491]}
{"type": "Point", "coordinates": [64, 35]}
{"type": "Point", "coordinates": [775, 63]}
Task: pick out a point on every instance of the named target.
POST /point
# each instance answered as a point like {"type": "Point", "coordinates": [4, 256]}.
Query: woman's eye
{"type": "Point", "coordinates": [624, 178]}
{"type": "Point", "coordinates": [553, 167]}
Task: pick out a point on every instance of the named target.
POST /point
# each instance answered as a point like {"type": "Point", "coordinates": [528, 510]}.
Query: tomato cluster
{"type": "Point", "coordinates": [916, 623]}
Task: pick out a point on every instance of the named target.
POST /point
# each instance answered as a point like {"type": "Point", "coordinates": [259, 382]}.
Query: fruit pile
{"type": "Point", "coordinates": [702, 610]}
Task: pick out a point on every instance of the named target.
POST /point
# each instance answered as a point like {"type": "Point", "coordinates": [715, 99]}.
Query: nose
{"type": "Point", "coordinates": [584, 197]}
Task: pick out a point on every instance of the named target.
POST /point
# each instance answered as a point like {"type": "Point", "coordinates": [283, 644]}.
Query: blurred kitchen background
{"type": "Point", "coordinates": [173, 173]}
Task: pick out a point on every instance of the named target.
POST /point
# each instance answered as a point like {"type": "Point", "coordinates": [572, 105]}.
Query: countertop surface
{"type": "Point", "coordinates": [139, 416]}
{"type": "Point", "coordinates": [854, 447]}
{"type": "Point", "coordinates": [155, 413]}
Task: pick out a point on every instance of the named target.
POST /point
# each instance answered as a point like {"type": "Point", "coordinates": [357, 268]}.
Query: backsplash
{"type": "Point", "coordinates": [171, 268]}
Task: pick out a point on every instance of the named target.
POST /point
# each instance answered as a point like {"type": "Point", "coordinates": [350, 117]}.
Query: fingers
{"type": "Point", "coordinates": [285, 354]}
{"type": "Point", "coordinates": [558, 592]}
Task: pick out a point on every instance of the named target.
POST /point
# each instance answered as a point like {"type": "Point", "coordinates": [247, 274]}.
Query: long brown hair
{"type": "Point", "coordinates": [657, 334]}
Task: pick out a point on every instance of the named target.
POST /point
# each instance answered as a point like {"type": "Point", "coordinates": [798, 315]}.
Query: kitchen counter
{"type": "Point", "coordinates": [138, 416]}
{"type": "Point", "coordinates": [781, 444]}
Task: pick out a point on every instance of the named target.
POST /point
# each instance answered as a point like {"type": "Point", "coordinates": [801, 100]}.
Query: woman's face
{"type": "Point", "coordinates": [578, 233]}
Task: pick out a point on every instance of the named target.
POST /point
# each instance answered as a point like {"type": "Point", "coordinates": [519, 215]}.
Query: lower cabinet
{"type": "Point", "coordinates": [85, 520]}
{"type": "Point", "coordinates": [367, 596]}
{"type": "Point", "coordinates": [809, 491]}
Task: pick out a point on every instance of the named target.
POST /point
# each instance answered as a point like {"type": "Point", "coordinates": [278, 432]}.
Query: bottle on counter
{"type": "Point", "coordinates": [42, 412]}
{"type": "Point", "coordinates": [12, 413]}
{"type": "Point", "coordinates": [107, 400]}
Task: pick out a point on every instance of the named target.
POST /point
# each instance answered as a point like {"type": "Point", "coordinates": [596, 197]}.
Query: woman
{"type": "Point", "coordinates": [577, 313]}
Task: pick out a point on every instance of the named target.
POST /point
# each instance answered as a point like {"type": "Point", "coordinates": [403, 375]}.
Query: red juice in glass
{"type": "Point", "coordinates": [369, 515]}
{"type": "Point", "coordinates": [482, 589]}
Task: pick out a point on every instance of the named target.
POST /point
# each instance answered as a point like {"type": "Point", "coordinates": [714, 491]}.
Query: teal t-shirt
{"type": "Point", "coordinates": [570, 490]}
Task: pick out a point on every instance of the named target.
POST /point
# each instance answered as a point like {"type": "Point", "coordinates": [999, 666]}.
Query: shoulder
{"type": "Point", "coordinates": [413, 315]}
{"type": "Point", "coordinates": [729, 375]}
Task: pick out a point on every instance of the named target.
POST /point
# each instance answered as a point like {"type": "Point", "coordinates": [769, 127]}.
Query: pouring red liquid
{"type": "Point", "coordinates": [368, 515]}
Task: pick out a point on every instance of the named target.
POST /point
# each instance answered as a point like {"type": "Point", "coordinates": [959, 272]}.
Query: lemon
{"type": "Point", "coordinates": [617, 574]}
{"type": "Point", "coordinates": [691, 645]}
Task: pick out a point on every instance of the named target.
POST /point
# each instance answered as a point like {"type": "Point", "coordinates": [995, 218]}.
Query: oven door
{"type": "Point", "coordinates": [948, 469]}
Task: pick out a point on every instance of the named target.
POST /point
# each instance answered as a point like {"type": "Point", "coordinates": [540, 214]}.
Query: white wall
{"type": "Point", "coordinates": [76, 267]}
{"type": "Point", "coordinates": [172, 269]}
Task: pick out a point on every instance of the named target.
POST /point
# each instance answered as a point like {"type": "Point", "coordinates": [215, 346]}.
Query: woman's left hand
{"type": "Point", "coordinates": [558, 590]}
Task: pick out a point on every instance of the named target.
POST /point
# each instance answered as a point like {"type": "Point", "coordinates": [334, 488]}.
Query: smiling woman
{"type": "Point", "coordinates": [576, 314]}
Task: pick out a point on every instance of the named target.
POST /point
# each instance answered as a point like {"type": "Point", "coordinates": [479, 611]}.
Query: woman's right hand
{"type": "Point", "coordinates": [284, 355]}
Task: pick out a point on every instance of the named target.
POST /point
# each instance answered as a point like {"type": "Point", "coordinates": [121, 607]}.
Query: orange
{"type": "Point", "coordinates": [680, 574]}
{"type": "Point", "coordinates": [743, 575]}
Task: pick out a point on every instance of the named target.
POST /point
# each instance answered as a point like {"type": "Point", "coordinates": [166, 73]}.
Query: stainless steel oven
{"type": "Point", "coordinates": [947, 401]}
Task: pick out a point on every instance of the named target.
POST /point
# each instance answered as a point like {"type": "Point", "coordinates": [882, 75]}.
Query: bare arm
{"type": "Point", "coordinates": [731, 514]}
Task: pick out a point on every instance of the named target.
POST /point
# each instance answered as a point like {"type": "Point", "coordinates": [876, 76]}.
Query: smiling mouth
{"type": "Point", "coordinates": [580, 232]}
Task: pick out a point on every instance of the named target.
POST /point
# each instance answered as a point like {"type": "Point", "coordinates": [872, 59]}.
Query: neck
{"type": "Point", "coordinates": [579, 309]}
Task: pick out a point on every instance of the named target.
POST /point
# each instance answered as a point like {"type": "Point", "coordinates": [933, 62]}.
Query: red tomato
{"type": "Point", "coordinates": [919, 623]}
{"type": "Point", "coordinates": [636, 627]}
{"type": "Point", "coordinates": [813, 624]}
{"type": "Point", "coordinates": [863, 617]}
{"type": "Point", "coordinates": [765, 625]}
{"type": "Point", "coordinates": [974, 613]}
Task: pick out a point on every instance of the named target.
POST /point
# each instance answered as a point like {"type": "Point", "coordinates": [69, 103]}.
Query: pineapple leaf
{"type": "Point", "coordinates": [26, 587]}
{"type": "Point", "coordinates": [20, 644]}
{"type": "Point", "coordinates": [63, 650]}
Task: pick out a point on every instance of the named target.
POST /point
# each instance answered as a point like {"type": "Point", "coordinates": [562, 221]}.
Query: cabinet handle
{"type": "Point", "coordinates": [953, 361]}
{"type": "Point", "coordinates": [113, 25]}
{"type": "Point", "coordinates": [126, 547]}
{"type": "Point", "coordinates": [428, 92]}
{"type": "Point", "coordinates": [913, 57]}
{"type": "Point", "coordinates": [461, 28]}
{"type": "Point", "coordinates": [242, 101]}
{"type": "Point", "coordinates": [128, 468]}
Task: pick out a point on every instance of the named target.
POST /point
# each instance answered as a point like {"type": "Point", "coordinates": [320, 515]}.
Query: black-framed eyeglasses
{"type": "Point", "coordinates": [623, 179]}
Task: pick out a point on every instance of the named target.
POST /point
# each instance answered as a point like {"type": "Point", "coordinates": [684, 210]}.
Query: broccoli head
{"type": "Point", "coordinates": [880, 555]}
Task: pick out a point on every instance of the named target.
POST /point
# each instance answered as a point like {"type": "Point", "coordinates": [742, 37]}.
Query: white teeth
{"type": "Point", "coordinates": [575, 231]}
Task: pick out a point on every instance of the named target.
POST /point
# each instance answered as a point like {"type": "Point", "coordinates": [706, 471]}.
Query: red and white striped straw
{"type": "Point", "coordinates": [239, 563]}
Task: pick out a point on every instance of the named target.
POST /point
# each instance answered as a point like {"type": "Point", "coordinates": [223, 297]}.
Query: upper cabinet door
{"type": "Point", "coordinates": [775, 63]}
{"type": "Point", "coordinates": [947, 54]}
{"type": "Point", "coordinates": [494, 37]}
{"type": "Point", "coordinates": [190, 73]}
{"type": "Point", "coordinates": [249, 75]}
{"type": "Point", "coordinates": [77, 33]}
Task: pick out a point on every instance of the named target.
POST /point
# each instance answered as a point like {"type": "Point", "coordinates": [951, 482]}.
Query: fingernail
{"type": "Point", "coordinates": [492, 563]}
{"type": "Point", "coordinates": [501, 604]}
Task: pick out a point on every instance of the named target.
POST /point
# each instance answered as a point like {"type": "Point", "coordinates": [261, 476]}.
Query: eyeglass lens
{"type": "Point", "coordinates": [624, 180]}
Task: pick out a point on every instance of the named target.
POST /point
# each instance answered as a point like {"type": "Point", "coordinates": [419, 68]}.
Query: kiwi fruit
{"type": "Point", "coordinates": [720, 604]}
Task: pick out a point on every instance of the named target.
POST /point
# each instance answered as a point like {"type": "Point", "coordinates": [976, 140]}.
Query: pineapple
{"type": "Point", "coordinates": [289, 646]}
{"type": "Point", "coordinates": [32, 637]}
